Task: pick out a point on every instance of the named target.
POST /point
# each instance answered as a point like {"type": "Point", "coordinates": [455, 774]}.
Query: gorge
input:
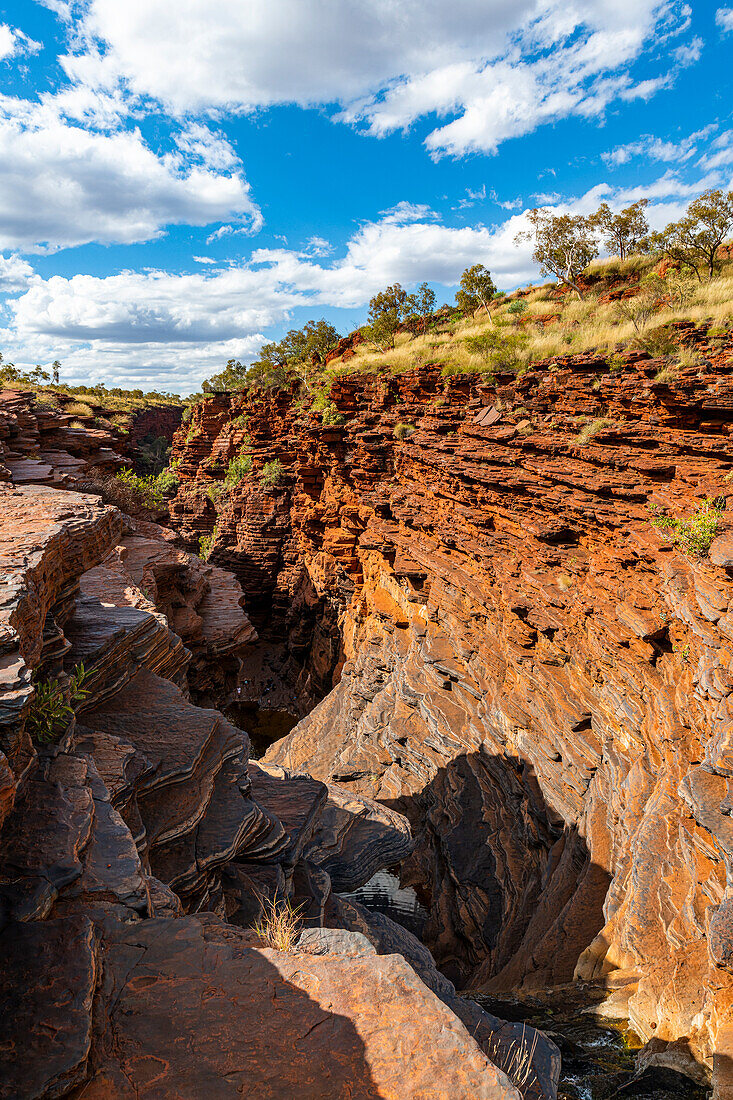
{"type": "Point", "coordinates": [510, 689]}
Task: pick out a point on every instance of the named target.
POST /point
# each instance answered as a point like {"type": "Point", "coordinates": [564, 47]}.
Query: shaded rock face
{"type": "Point", "coordinates": [137, 839]}
{"type": "Point", "coordinates": [524, 667]}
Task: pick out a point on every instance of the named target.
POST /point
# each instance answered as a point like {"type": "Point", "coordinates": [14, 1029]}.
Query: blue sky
{"type": "Point", "coordinates": [182, 179]}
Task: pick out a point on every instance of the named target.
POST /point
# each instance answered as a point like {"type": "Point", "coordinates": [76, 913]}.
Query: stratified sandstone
{"type": "Point", "coordinates": [139, 812]}
{"type": "Point", "coordinates": [520, 662]}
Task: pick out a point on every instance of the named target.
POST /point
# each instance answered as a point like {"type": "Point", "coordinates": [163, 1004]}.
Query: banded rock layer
{"type": "Point", "coordinates": [136, 830]}
{"type": "Point", "coordinates": [515, 658]}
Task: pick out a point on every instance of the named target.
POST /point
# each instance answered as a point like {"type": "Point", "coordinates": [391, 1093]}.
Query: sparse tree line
{"type": "Point", "coordinates": [565, 244]}
{"type": "Point", "coordinates": [563, 247]}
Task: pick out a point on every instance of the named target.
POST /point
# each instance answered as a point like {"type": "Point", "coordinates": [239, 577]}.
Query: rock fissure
{"type": "Point", "coordinates": [138, 843]}
{"type": "Point", "coordinates": [490, 636]}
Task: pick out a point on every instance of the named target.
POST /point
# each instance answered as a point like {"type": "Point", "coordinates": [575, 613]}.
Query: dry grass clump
{"type": "Point", "coordinates": [586, 434]}
{"type": "Point", "coordinates": [665, 375]}
{"type": "Point", "coordinates": [612, 266]}
{"type": "Point", "coordinates": [280, 924]}
{"type": "Point", "coordinates": [516, 1059]}
{"type": "Point", "coordinates": [78, 408]}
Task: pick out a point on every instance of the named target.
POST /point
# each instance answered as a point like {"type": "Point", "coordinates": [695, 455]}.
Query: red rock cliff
{"type": "Point", "coordinates": [518, 659]}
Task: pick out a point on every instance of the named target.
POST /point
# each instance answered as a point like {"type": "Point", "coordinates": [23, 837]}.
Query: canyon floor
{"type": "Point", "coordinates": [508, 676]}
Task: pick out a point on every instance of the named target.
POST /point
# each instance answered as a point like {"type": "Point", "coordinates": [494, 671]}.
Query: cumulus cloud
{"type": "Point", "coordinates": [171, 330]}
{"type": "Point", "coordinates": [495, 68]}
{"type": "Point", "coordinates": [16, 274]}
{"type": "Point", "coordinates": [63, 184]}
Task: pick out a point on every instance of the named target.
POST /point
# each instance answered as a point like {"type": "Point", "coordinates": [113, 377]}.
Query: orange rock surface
{"type": "Point", "coordinates": [512, 654]}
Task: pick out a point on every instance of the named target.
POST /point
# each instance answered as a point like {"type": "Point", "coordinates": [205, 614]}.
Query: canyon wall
{"type": "Point", "coordinates": [505, 649]}
{"type": "Point", "coordinates": [139, 843]}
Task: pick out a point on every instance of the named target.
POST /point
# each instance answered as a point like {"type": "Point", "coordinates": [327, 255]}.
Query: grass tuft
{"type": "Point", "coordinates": [280, 924]}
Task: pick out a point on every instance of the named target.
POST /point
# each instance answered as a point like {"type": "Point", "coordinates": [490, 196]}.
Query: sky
{"type": "Point", "coordinates": [181, 180]}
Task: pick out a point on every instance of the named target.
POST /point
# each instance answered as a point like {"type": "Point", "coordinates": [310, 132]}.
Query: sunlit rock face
{"type": "Point", "coordinates": [508, 652]}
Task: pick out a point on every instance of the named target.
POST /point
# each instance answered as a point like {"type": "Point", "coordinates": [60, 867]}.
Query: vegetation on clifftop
{"type": "Point", "coordinates": [630, 299]}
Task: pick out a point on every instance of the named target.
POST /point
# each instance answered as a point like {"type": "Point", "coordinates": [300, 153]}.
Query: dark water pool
{"type": "Point", "coordinates": [384, 894]}
{"type": "Point", "coordinates": [598, 1056]}
{"type": "Point", "coordinates": [265, 725]}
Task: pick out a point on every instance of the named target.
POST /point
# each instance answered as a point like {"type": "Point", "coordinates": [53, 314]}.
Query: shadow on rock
{"type": "Point", "coordinates": [512, 893]}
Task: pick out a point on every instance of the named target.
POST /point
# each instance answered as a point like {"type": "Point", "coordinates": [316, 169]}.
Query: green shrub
{"type": "Point", "coordinates": [500, 348]}
{"type": "Point", "coordinates": [166, 483]}
{"type": "Point", "coordinates": [143, 490]}
{"type": "Point", "coordinates": [694, 535]}
{"type": "Point", "coordinates": [45, 401]}
{"type": "Point", "coordinates": [517, 306]}
{"type": "Point", "coordinates": [331, 416]}
{"type": "Point", "coordinates": [271, 473]}
{"type": "Point", "coordinates": [206, 544]}
{"type": "Point", "coordinates": [214, 491]}
{"type": "Point", "coordinates": [238, 467]}
{"type": "Point", "coordinates": [403, 431]}
{"type": "Point", "coordinates": [53, 706]}
{"type": "Point", "coordinates": [656, 342]}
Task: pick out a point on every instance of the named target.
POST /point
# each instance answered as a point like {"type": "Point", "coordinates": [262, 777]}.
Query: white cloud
{"type": "Point", "coordinates": [496, 68]}
{"type": "Point", "coordinates": [689, 52]}
{"type": "Point", "coordinates": [170, 330]}
{"type": "Point", "coordinates": [14, 43]}
{"type": "Point", "coordinates": [16, 274]}
{"type": "Point", "coordinates": [228, 231]}
{"type": "Point", "coordinates": [203, 259]}
{"type": "Point", "coordinates": [63, 184]}
{"type": "Point", "coordinates": [654, 148]}
{"type": "Point", "coordinates": [721, 152]}
{"type": "Point", "coordinates": [724, 19]}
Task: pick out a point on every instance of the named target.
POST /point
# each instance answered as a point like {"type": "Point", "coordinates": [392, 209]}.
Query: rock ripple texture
{"type": "Point", "coordinates": [517, 659]}
{"type": "Point", "coordinates": [142, 807]}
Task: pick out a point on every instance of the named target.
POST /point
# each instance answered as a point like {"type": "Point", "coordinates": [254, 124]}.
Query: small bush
{"type": "Point", "coordinates": [43, 401]}
{"type": "Point", "coordinates": [694, 535]}
{"type": "Point", "coordinates": [78, 408]}
{"type": "Point", "coordinates": [53, 706]}
{"type": "Point", "coordinates": [240, 421]}
{"type": "Point", "coordinates": [517, 307]}
{"type": "Point", "coordinates": [145, 488]}
{"type": "Point", "coordinates": [587, 433]}
{"type": "Point", "coordinates": [166, 483]}
{"type": "Point", "coordinates": [206, 544]}
{"type": "Point", "coordinates": [403, 431]}
{"type": "Point", "coordinates": [271, 473]}
{"type": "Point", "coordinates": [656, 342]}
{"type": "Point", "coordinates": [501, 349]}
{"type": "Point", "coordinates": [238, 468]}
{"type": "Point", "coordinates": [214, 491]}
{"type": "Point", "coordinates": [279, 926]}
{"type": "Point", "coordinates": [331, 417]}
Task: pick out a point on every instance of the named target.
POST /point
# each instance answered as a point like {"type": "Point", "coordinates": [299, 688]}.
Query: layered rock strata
{"type": "Point", "coordinates": [135, 825]}
{"type": "Point", "coordinates": [517, 659]}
